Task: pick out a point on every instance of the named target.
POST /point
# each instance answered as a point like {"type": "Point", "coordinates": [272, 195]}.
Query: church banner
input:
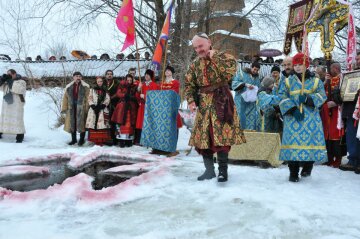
{"type": "Point", "coordinates": [298, 14]}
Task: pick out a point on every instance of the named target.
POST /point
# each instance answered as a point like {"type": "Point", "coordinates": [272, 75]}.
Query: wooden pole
{"type": "Point", "coordinates": [328, 58]}
{"type": "Point", "coordinates": [164, 65]}
{"type": "Point", "coordinates": [138, 60]}
{"type": "Point", "coordinates": [303, 82]}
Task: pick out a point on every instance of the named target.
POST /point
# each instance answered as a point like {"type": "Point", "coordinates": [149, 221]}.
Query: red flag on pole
{"type": "Point", "coordinates": [351, 44]}
{"type": "Point", "coordinates": [164, 36]}
{"type": "Point", "coordinates": [125, 23]}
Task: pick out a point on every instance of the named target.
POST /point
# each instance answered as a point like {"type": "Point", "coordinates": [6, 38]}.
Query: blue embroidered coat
{"type": "Point", "coordinates": [269, 120]}
{"type": "Point", "coordinates": [302, 140]}
{"type": "Point", "coordinates": [247, 111]}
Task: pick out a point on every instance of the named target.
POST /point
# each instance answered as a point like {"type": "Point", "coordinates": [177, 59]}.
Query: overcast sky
{"type": "Point", "coordinates": [101, 37]}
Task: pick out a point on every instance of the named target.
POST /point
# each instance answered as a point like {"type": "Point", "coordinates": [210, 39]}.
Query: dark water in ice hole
{"type": "Point", "coordinates": [58, 172]}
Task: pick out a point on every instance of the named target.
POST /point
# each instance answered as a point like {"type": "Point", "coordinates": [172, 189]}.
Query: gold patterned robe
{"type": "Point", "coordinates": [220, 69]}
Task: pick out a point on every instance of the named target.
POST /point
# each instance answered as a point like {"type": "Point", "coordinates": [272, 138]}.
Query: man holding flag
{"type": "Point", "coordinates": [160, 128]}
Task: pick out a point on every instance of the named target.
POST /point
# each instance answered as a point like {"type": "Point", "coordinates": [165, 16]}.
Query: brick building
{"type": "Point", "coordinates": [223, 17]}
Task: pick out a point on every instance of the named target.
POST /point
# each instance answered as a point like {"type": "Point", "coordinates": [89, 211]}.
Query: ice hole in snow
{"type": "Point", "coordinates": [41, 175]}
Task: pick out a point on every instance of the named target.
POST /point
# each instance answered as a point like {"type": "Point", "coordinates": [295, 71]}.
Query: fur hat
{"type": "Point", "coordinates": [150, 73]}
{"type": "Point", "coordinates": [77, 73]}
{"type": "Point", "coordinates": [298, 59]}
{"type": "Point", "coordinates": [275, 68]}
{"type": "Point", "coordinates": [170, 68]}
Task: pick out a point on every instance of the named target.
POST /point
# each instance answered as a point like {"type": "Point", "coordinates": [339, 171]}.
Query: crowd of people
{"type": "Point", "coordinates": [104, 56]}
{"type": "Point", "coordinates": [309, 114]}
{"type": "Point", "coordinates": [305, 107]}
{"type": "Point", "coordinates": [314, 122]}
{"type": "Point", "coordinates": [113, 110]}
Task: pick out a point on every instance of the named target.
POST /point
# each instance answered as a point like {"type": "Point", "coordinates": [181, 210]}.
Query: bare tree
{"type": "Point", "coordinates": [57, 49]}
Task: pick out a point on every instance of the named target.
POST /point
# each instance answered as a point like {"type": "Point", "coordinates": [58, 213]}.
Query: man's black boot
{"type": "Point", "coordinates": [306, 170]}
{"type": "Point", "coordinates": [223, 166]}
{"type": "Point", "coordinates": [82, 139]}
{"type": "Point", "coordinates": [294, 171]}
{"type": "Point", "coordinates": [73, 139]}
{"type": "Point", "coordinates": [19, 138]}
{"type": "Point", "coordinates": [209, 168]}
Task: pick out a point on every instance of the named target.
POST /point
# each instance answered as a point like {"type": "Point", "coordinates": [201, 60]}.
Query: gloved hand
{"type": "Point", "coordinates": [298, 116]}
{"type": "Point", "coordinates": [302, 99]}
{"type": "Point", "coordinates": [102, 106]}
{"type": "Point", "coordinates": [277, 108]}
{"type": "Point", "coordinates": [4, 78]}
{"type": "Point", "coordinates": [93, 107]}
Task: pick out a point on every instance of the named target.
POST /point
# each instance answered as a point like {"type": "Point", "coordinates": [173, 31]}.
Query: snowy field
{"type": "Point", "coordinates": [168, 202]}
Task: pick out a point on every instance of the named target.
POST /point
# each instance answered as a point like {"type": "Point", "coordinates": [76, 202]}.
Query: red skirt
{"type": "Point", "coordinates": [127, 128]}
{"type": "Point", "coordinates": [99, 136]}
{"type": "Point", "coordinates": [178, 121]}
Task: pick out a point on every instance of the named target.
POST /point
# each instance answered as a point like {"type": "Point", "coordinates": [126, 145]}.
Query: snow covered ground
{"type": "Point", "coordinates": [168, 202]}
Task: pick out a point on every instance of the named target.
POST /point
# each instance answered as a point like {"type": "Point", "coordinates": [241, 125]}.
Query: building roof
{"type": "Point", "coordinates": [91, 68]}
{"type": "Point", "coordinates": [241, 36]}
{"type": "Point", "coordinates": [216, 14]}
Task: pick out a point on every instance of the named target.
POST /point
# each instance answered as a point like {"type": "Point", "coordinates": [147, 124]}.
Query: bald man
{"type": "Point", "coordinates": [287, 67]}
{"type": "Point", "coordinates": [216, 125]}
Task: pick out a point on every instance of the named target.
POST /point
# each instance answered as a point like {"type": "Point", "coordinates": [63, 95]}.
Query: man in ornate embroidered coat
{"type": "Point", "coordinates": [75, 105]}
{"type": "Point", "coordinates": [303, 135]}
{"type": "Point", "coordinates": [216, 125]}
{"type": "Point", "coordinates": [246, 79]}
{"type": "Point", "coordinates": [330, 116]}
{"type": "Point", "coordinates": [12, 111]}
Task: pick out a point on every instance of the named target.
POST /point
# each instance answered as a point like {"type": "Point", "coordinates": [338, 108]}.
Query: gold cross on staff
{"type": "Point", "coordinates": [330, 16]}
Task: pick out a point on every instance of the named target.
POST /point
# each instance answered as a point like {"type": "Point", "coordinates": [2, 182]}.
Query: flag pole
{"type": "Point", "coordinates": [303, 82]}
{"type": "Point", "coordinates": [304, 65]}
{"type": "Point", "coordinates": [164, 67]}
{"type": "Point", "coordinates": [138, 60]}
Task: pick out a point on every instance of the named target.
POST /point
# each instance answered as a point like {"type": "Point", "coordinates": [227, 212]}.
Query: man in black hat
{"type": "Point", "coordinates": [112, 85]}
{"type": "Point", "coordinates": [148, 85]}
{"type": "Point", "coordinates": [75, 105]}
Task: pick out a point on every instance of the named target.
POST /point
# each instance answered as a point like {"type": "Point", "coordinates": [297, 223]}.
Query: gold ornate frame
{"type": "Point", "coordinates": [350, 85]}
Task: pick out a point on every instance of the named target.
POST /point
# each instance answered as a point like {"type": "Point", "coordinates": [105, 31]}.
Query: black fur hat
{"type": "Point", "coordinates": [150, 73]}
{"type": "Point", "coordinates": [170, 68]}
{"type": "Point", "coordinates": [77, 73]}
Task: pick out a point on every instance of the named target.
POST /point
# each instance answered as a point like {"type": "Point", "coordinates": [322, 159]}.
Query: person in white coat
{"type": "Point", "coordinates": [97, 121]}
{"type": "Point", "coordinates": [12, 112]}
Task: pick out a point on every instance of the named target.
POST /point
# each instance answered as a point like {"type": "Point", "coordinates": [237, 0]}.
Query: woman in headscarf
{"type": "Point", "coordinates": [98, 116]}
